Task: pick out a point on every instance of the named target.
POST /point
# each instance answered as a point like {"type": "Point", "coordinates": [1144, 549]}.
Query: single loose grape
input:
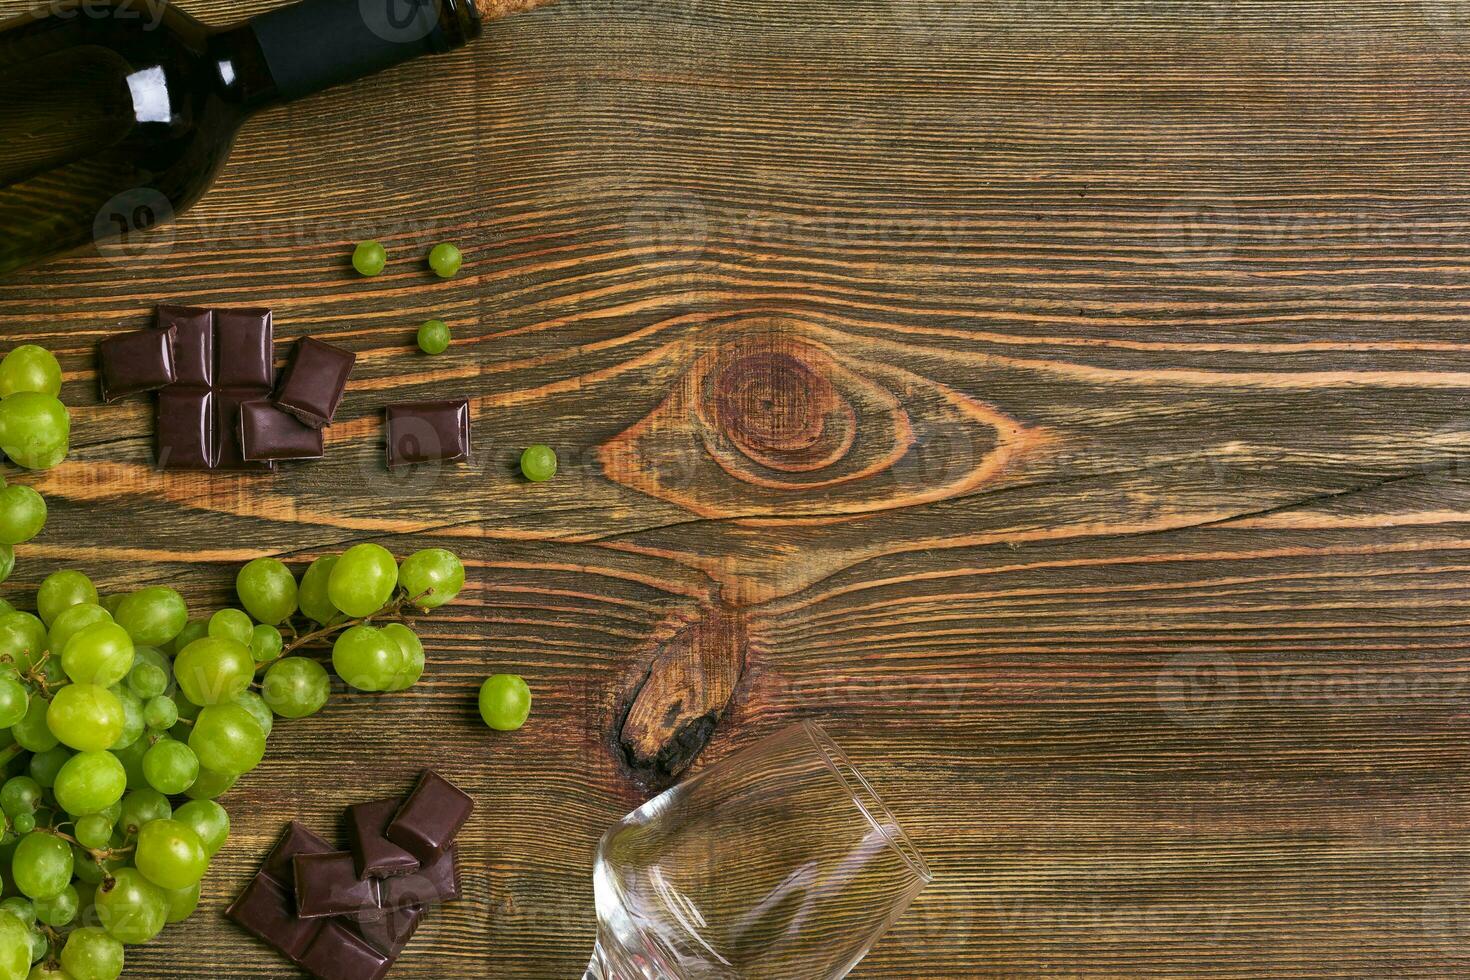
{"type": "Point", "coordinates": [14, 700]}
{"type": "Point", "coordinates": [369, 258]}
{"type": "Point", "coordinates": [91, 954]}
{"type": "Point", "coordinates": [132, 908]}
{"type": "Point", "coordinates": [181, 902]}
{"type": "Point", "coordinates": [90, 782]}
{"type": "Point", "coordinates": [209, 820]}
{"type": "Point", "coordinates": [85, 717]}
{"type": "Point", "coordinates": [41, 866]}
{"type": "Point", "coordinates": [434, 337]}
{"type": "Point", "coordinates": [102, 653]}
{"type": "Point", "coordinates": [71, 621]}
{"type": "Point", "coordinates": [35, 429]}
{"type": "Point", "coordinates": [413, 654]}
{"type": "Point", "coordinates": [266, 643]}
{"type": "Point", "coordinates": [22, 639]}
{"type": "Point", "coordinates": [431, 577]}
{"type": "Point", "coordinates": [210, 785]}
{"type": "Point", "coordinates": [296, 687]}
{"type": "Point", "coordinates": [61, 589]}
{"type": "Point", "coordinates": [170, 766]}
{"type": "Point", "coordinates": [45, 765]}
{"type": "Point", "coordinates": [30, 368]}
{"type": "Point", "coordinates": [160, 713]}
{"type": "Point", "coordinates": [228, 740]}
{"type": "Point", "coordinates": [15, 947]}
{"type": "Point", "coordinates": [170, 853]}
{"type": "Point", "coordinates": [141, 807]}
{"type": "Point", "coordinates": [60, 910]}
{"type": "Point", "coordinates": [368, 659]}
{"type": "Point", "coordinates": [94, 831]}
{"type": "Point", "coordinates": [231, 624]}
{"type": "Point", "coordinates": [214, 670]}
{"type": "Point", "coordinates": [505, 702]}
{"type": "Point", "coordinates": [538, 463]}
{"type": "Point", "coordinates": [312, 596]}
{"type": "Point", "coordinates": [152, 616]}
{"type": "Point", "coordinates": [363, 579]}
{"type": "Point", "coordinates": [22, 514]}
{"type": "Point", "coordinates": [445, 260]}
{"type": "Point", "coordinates": [267, 590]}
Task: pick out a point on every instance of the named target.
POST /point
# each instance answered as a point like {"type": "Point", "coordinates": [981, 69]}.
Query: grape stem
{"type": "Point", "coordinates": [393, 612]}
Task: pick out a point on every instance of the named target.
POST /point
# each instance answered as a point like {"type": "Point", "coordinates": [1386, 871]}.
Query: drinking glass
{"type": "Point", "coordinates": [779, 863]}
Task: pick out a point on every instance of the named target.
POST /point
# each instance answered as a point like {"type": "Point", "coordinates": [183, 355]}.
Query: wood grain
{"type": "Point", "coordinates": [1065, 400]}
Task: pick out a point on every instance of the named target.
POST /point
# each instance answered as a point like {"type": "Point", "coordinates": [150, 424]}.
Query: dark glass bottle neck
{"type": "Point", "coordinates": [301, 49]}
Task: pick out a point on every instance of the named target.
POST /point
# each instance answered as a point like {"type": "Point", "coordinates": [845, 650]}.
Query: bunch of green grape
{"type": "Point", "coordinates": [35, 432]}
{"type": "Point", "coordinates": [122, 720]}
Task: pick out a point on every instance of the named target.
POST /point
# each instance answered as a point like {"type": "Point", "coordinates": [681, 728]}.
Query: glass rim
{"type": "Point", "coordinates": [867, 800]}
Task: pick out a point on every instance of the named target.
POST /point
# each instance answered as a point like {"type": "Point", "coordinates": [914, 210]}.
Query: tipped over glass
{"type": "Point", "coordinates": [779, 863]}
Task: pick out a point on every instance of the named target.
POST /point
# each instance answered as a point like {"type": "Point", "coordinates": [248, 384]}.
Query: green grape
{"type": "Point", "coordinates": [267, 590]}
{"type": "Point", "coordinates": [34, 429]}
{"type": "Point", "coordinates": [266, 643]}
{"type": "Point", "coordinates": [31, 732]}
{"type": "Point", "coordinates": [133, 909]}
{"type": "Point", "coordinates": [30, 368]}
{"type": "Point", "coordinates": [214, 670]}
{"type": "Point", "coordinates": [99, 654]}
{"type": "Point", "coordinates": [188, 710]}
{"type": "Point", "coordinates": [141, 807]}
{"type": "Point", "coordinates": [5, 607]}
{"type": "Point", "coordinates": [210, 785]}
{"type": "Point", "coordinates": [45, 765]}
{"type": "Point", "coordinates": [259, 710]}
{"type": "Point", "coordinates": [91, 954]}
{"type": "Point", "coordinates": [209, 820]}
{"type": "Point", "coordinates": [89, 783]}
{"type": "Point", "coordinates": [22, 639]}
{"type": "Point", "coordinates": [131, 757]}
{"type": "Point", "coordinates": [20, 794]}
{"type": "Point", "coordinates": [231, 624]}
{"type": "Point", "coordinates": [181, 902]}
{"type": "Point", "coordinates": [94, 831]}
{"type": "Point", "coordinates": [538, 463]}
{"type": "Point", "coordinates": [147, 679]}
{"type": "Point", "coordinates": [195, 629]}
{"type": "Point", "coordinates": [227, 739]}
{"type": "Point", "coordinates": [445, 260]}
{"type": "Point", "coordinates": [111, 602]}
{"type": "Point", "coordinates": [133, 725]}
{"type": "Point", "coordinates": [48, 971]}
{"type": "Point", "coordinates": [160, 713]}
{"type": "Point", "coordinates": [153, 616]}
{"type": "Point", "coordinates": [296, 687]}
{"type": "Point", "coordinates": [431, 577]}
{"type": "Point", "coordinates": [62, 589]}
{"type": "Point", "coordinates": [369, 258]}
{"type": "Point", "coordinates": [413, 656]}
{"type": "Point", "coordinates": [22, 514]}
{"type": "Point", "coordinates": [170, 766]}
{"type": "Point", "coordinates": [312, 596]}
{"type": "Point", "coordinates": [505, 702]}
{"type": "Point", "coordinates": [23, 823]}
{"type": "Point", "coordinates": [14, 700]}
{"type": "Point", "coordinates": [170, 854]}
{"type": "Point", "coordinates": [40, 945]}
{"type": "Point", "coordinates": [15, 948]}
{"type": "Point", "coordinates": [41, 866]}
{"type": "Point", "coordinates": [368, 659]}
{"type": "Point", "coordinates": [86, 717]}
{"type": "Point", "coordinates": [20, 908]}
{"type": "Point", "coordinates": [60, 910]}
{"type": "Point", "coordinates": [72, 620]}
{"type": "Point", "coordinates": [434, 337]}
{"type": "Point", "coordinates": [7, 565]}
{"type": "Point", "coordinates": [363, 580]}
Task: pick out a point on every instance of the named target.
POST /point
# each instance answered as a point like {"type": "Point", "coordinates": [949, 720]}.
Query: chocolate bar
{"type": "Point", "coordinates": [376, 855]}
{"type": "Point", "coordinates": [436, 883]}
{"type": "Point", "coordinates": [430, 818]}
{"type": "Point", "coordinates": [426, 432]}
{"type": "Point", "coordinates": [132, 363]}
{"type": "Point", "coordinates": [280, 864]}
{"type": "Point", "coordinates": [338, 953]}
{"type": "Point", "coordinates": [265, 909]}
{"type": "Point", "coordinates": [193, 342]}
{"type": "Point", "coordinates": [314, 381]}
{"type": "Point", "coordinates": [268, 434]}
{"type": "Point", "coordinates": [327, 884]}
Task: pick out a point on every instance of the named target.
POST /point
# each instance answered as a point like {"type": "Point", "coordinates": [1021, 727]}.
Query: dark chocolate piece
{"type": "Point", "coordinates": [436, 883]}
{"type": "Point", "coordinates": [314, 381]}
{"type": "Point", "coordinates": [193, 342]}
{"type": "Point", "coordinates": [430, 818]}
{"type": "Point", "coordinates": [338, 953]}
{"type": "Point", "coordinates": [269, 434]}
{"type": "Point", "coordinates": [377, 856]}
{"type": "Point", "coordinates": [228, 453]}
{"type": "Point", "coordinates": [426, 432]}
{"type": "Point", "coordinates": [266, 910]}
{"type": "Point", "coordinates": [327, 884]}
{"type": "Point", "coordinates": [185, 428]}
{"type": "Point", "coordinates": [391, 929]}
{"type": "Point", "coordinates": [280, 863]}
{"type": "Point", "coordinates": [244, 349]}
{"type": "Point", "coordinates": [132, 363]}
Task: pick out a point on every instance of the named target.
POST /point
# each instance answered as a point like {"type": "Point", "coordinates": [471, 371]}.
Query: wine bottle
{"type": "Point", "coordinates": [116, 115]}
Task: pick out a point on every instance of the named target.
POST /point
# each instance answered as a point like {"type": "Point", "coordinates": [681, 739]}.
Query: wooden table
{"type": "Point", "coordinates": [1063, 401]}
